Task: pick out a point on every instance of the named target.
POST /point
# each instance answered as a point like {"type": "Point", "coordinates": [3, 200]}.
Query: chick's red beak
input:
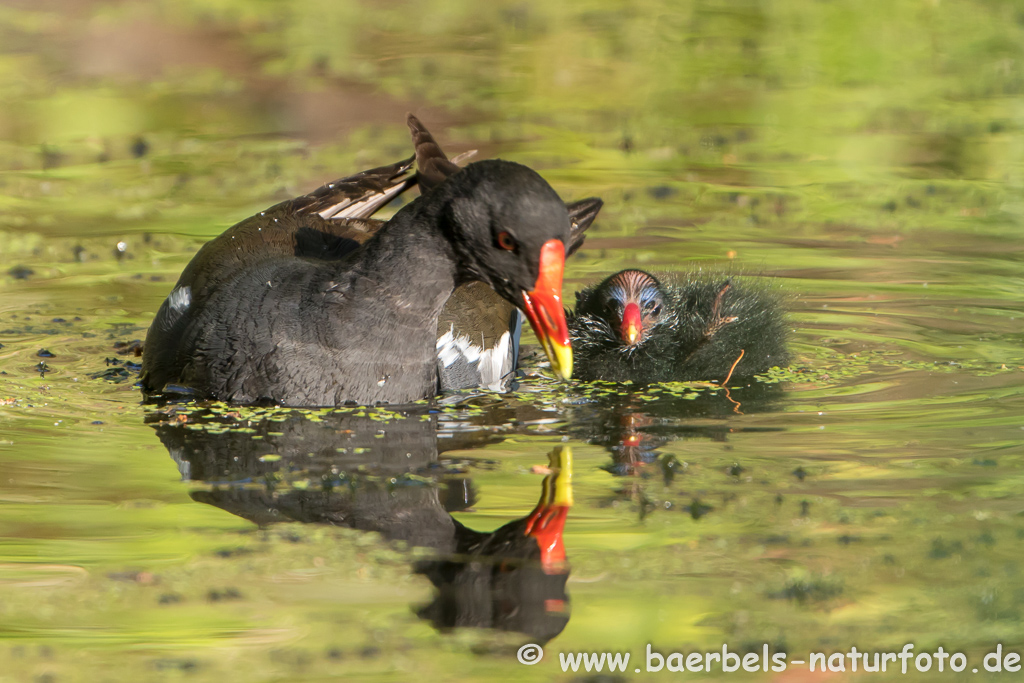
{"type": "Point", "coordinates": [543, 308]}
{"type": "Point", "coordinates": [632, 324]}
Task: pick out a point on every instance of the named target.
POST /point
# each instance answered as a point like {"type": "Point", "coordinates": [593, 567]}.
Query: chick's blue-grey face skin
{"type": "Point", "coordinates": [634, 303]}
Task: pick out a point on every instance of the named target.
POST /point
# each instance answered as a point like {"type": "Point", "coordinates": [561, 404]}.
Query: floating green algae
{"type": "Point", "coordinates": [866, 155]}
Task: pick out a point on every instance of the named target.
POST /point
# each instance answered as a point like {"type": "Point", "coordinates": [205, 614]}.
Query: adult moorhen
{"type": "Point", "coordinates": [632, 327]}
{"type": "Point", "coordinates": [328, 224]}
{"type": "Point", "coordinates": [326, 324]}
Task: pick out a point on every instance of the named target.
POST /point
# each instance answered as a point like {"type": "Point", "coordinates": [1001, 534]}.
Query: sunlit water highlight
{"type": "Point", "coordinates": [870, 494]}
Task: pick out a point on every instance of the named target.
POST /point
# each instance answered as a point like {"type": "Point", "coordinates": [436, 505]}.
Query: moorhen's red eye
{"type": "Point", "coordinates": [506, 241]}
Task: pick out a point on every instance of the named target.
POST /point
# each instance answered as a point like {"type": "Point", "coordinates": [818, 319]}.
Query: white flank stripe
{"type": "Point", "coordinates": [180, 299]}
{"type": "Point", "coordinates": [450, 348]}
{"type": "Point", "coordinates": [447, 351]}
{"type": "Point", "coordinates": [492, 362]}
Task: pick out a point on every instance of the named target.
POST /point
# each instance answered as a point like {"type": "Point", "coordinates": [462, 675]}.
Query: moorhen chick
{"type": "Point", "coordinates": [633, 327]}
{"type": "Point", "coordinates": [362, 328]}
{"type": "Point", "coordinates": [326, 225]}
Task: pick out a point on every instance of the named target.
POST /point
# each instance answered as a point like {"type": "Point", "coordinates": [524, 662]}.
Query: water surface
{"type": "Point", "coordinates": [867, 155]}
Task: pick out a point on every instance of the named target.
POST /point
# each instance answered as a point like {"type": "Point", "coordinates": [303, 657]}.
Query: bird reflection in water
{"type": "Point", "coordinates": [633, 430]}
{"type": "Point", "coordinates": [383, 474]}
{"type": "Point", "coordinates": [512, 579]}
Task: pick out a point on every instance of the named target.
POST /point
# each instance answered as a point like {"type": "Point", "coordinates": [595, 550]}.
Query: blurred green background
{"type": "Point", "coordinates": [869, 155]}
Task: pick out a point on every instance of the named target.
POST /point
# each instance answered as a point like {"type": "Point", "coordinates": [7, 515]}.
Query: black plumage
{"type": "Point", "coordinates": [478, 331]}
{"type": "Point", "coordinates": [703, 326]}
{"type": "Point", "coordinates": [303, 331]}
{"type": "Point", "coordinates": [327, 226]}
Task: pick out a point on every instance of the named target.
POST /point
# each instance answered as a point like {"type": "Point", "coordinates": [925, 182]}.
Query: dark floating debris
{"type": "Point", "coordinates": [21, 272]}
{"type": "Point", "coordinates": [116, 375]}
{"type": "Point", "coordinates": [140, 148]}
{"type": "Point", "coordinates": [669, 466]}
{"type": "Point", "coordinates": [941, 549]}
{"type": "Point", "coordinates": [810, 590]}
{"type": "Point", "coordinates": [227, 594]}
{"type": "Point", "coordinates": [698, 509]}
{"type": "Point", "coordinates": [45, 353]}
{"type": "Point", "coordinates": [123, 348]}
{"type": "Point", "coordinates": [661, 191]}
{"type": "Point", "coordinates": [118, 370]}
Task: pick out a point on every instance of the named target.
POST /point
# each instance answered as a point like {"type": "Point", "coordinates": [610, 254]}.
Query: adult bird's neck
{"type": "Point", "coordinates": [410, 260]}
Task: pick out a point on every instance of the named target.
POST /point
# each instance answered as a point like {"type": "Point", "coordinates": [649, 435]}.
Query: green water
{"type": "Point", "coordinates": [868, 155]}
